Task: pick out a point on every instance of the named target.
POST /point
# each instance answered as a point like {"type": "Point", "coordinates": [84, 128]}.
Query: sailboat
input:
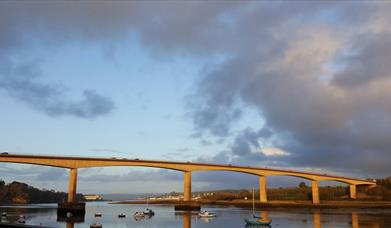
{"type": "Point", "coordinates": [256, 220]}
{"type": "Point", "coordinates": [147, 211]}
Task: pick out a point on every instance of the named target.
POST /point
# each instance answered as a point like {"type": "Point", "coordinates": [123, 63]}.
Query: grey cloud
{"type": "Point", "coordinates": [50, 99]}
{"type": "Point", "coordinates": [368, 62]}
{"type": "Point", "coordinates": [279, 58]}
{"type": "Point", "coordinates": [280, 74]}
{"type": "Point", "coordinates": [54, 174]}
{"type": "Point", "coordinates": [248, 139]}
{"type": "Point", "coordinates": [91, 106]}
{"type": "Point", "coordinates": [33, 173]}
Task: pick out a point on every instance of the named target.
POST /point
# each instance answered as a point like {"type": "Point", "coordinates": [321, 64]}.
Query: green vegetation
{"type": "Point", "coordinates": [382, 190]}
{"type": "Point", "coordinates": [303, 192]}
{"type": "Point", "coordinates": [17, 192]}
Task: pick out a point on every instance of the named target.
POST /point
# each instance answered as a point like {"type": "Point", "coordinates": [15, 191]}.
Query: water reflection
{"type": "Point", "coordinates": [70, 221]}
{"type": "Point", "coordinates": [316, 218]}
{"type": "Point", "coordinates": [354, 220]}
{"type": "Point", "coordinates": [186, 219]}
{"type": "Point", "coordinates": [227, 217]}
{"type": "Point", "coordinates": [141, 218]}
{"type": "Point", "coordinates": [317, 221]}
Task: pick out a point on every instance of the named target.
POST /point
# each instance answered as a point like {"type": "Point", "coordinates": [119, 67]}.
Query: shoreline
{"type": "Point", "coordinates": [274, 204]}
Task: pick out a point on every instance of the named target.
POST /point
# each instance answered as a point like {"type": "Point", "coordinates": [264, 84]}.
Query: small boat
{"type": "Point", "coordinates": [98, 214]}
{"type": "Point", "coordinates": [95, 225]}
{"type": "Point", "coordinates": [206, 214]}
{"type": "Point", "coordinates": [22, 216]}
{"type": "Point", "coordinates": [149, 212]}
{"type": "Point", "coordinates": [21, 220]}
{"type": "Point", "coordinates": [4, 214]}
{"type": "Point", "coordinates": [121, 215]}
{"type": "Point", "coordinates": [139, 214]}
{"type": "Point", "coordinates": [258, 222]}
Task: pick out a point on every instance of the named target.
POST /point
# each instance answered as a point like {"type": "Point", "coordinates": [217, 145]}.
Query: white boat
{"type": "Point", "coordinates": [206, 214]}
{"type": "Point", "coordinates": [149, 212]}
{"type": "Point", "coordinates": [21, 220]}
{"type": "Point", "coordinates": [139, 214]}
{"type": "Point", "coordinates": [4, 214]}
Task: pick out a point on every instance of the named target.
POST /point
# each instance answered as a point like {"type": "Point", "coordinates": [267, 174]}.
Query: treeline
{"type": "Point", "coordinates": [303, 192]}
{"type": "Point", "coordinates": [17, 192]}
{"type": "Point", "coordinates": [382, 189]}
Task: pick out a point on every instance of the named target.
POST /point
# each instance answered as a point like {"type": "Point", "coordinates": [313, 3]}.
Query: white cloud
{"type": "Point", "coordinates": [274, 151]}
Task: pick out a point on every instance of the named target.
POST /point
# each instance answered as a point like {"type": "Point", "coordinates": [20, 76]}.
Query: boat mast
{"type": "Point", "coordinates": [253, 202]}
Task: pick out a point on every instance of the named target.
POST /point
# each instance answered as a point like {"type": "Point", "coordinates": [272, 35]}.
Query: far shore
{"type": "Point", "coordinates": [357, 204]}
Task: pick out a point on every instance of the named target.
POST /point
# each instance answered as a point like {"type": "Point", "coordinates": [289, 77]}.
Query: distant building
{"type": "Point", "coordinates": [93, 197]}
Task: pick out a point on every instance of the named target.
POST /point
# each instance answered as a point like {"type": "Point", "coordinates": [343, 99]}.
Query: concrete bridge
{"type": "Point", "coordinates": [74, 163]}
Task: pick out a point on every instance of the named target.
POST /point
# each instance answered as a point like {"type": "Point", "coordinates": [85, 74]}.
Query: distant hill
{"type": "Point", "coordinates": [17, 192]}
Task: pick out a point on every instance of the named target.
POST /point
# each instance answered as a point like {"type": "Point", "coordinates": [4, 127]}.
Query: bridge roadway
{"type": "Point", "coordinates": [74, 163]}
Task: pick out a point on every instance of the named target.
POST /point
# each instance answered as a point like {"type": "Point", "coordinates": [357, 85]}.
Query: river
{"type": "Point", "coordinates": [165, 216]}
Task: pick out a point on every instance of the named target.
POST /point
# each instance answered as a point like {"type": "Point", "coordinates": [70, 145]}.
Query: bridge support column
{"type": "Point", "coordinates": [315, 192]}
{"type": "Point", "coordinates": [353, 192]}
{"type": "Point", "coordinates": [262, 189]}
{"type": "Point", "coordinates": [72, 185]}
{"type": "Point", "coordinates": [187, 204]}
{"type": "Point", "coordinates": [71, 208]}
{"type": "Point", "coordinates": [187, 186]}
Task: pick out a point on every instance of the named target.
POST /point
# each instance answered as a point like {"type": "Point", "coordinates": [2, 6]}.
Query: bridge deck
{"type": "Point", "coordinates": [86, 162]}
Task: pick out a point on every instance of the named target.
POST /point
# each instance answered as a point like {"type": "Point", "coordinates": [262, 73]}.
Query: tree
{"type": "Point", "coordinates": [302, 185]}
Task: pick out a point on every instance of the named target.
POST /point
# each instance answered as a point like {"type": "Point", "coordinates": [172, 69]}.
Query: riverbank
{"type": "Point", "coordinates": [276, 204]}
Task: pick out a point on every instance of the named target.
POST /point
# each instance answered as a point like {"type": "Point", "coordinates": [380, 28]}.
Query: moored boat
{"type": "Point", "coordinates": [121, 215]}
{"type": "Point", "coordinates": [149, 212]}
{"type": "Point", "coordinates": [258, 222]}
{"type": "Point", "coordinates": [98, 214]}
{"type": "Point", "coordinates": [206, 214]}
{"type": "Point", "coordinates": [139, 214]}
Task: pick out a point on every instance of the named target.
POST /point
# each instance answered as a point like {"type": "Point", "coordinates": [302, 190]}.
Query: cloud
{"type": "Point", "coordinates": [322, 87]}
{"type": "Point", "coordinates": [316, 73]}
{"type": "Point", "coordinates": [274, 151]}
{"type": "Point", "coordinates": [50, 99]}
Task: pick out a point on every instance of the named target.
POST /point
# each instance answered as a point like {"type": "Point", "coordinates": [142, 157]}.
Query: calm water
{"type": "Point", "coordinates": [165, 216]}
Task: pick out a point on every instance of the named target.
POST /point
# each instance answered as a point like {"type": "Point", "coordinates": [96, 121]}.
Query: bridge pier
{"type": "Point", "coordinates": [187, 204]}
{"type": "Point", "coordinates": [262, 189]}
{"type": "Point", "coordinates": [72, 186]}
{"type": "Point", "coordinates": [315, 192]}
{"type": "Point", "coordinates": [71, 206]}
{"type": "Point", "coordinates": [187, 186]}
{"type": "Point", "coordinates": [353, 192]}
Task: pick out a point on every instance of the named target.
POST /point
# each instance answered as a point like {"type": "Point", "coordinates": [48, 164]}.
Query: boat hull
{"type": "Point", "coordinates": [258, 223]}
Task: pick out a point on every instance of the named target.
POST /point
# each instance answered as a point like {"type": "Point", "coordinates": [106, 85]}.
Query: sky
{"type": "Point", "coordinates": [297, 85]}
